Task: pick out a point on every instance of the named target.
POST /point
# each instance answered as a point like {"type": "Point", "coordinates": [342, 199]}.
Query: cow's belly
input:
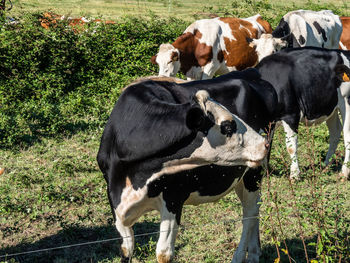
{"type": "Point", "coordinates": [318, 120]}
{"type": "Point", "coordinates": [196, 186]}
{"type": "Point", "coordinates": [196, 198]}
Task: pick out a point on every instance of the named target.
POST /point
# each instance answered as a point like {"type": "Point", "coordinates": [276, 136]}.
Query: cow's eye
{"type": "Point", "coordinates": [228, 128]}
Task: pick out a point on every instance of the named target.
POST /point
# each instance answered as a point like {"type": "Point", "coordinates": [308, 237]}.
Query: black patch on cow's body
{"type": "Point", "coordinates": [210, 180]}
{"type": "Point", "coordinates": [305, 81]}
{"type": "Point", "coordinates": [198, 121]}
{"type": "Point", "coordinates": [320, 30]}
{"type": "Point", "coordinates": [302, 40]}
{"type": "Point", "coordinates": [282, 29]}
{"type": "Point", "coordinates": [252, 179]}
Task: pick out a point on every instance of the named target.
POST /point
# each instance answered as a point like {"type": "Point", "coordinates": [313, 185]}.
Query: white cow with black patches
{"type": "Point", "coordinates": [156, 152]}
{"type": "Point", "coordinates": [302, 28]}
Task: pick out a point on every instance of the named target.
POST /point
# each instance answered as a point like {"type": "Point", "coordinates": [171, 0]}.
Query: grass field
{"type": "Point", "coordinates": [52, 193]}
{"type": "Point", "coordinates": [112, 9]}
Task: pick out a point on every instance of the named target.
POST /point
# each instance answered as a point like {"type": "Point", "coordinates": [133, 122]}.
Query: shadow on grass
{"type": "Point", "coordinates": [27, 140]}
{"type": "Point", "coordinates": [340, 252]}
{"type": "Point", "coordinates": [85, 253]}
{"type": "Point", "coordinates": [295, 248]}
{"type": "Point", "coordinates": [145, 246]}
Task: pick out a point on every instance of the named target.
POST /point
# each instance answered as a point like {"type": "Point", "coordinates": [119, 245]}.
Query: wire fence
{"type": "Point", "coordinates": [117, 238]}
{"type": "Point", "coordinates": [181, 227]}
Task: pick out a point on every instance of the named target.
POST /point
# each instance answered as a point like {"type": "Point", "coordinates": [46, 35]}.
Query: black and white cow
{"type": "Point", "coordinates": [302, 28]}
{"type": "Point", "coordinates": [167, 145]}
{"type": "Point", "coordinates": [309, 85]}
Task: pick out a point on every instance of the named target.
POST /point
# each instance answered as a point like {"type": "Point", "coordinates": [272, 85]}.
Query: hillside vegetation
{"type": "Point", "coordinates": [57, 88]}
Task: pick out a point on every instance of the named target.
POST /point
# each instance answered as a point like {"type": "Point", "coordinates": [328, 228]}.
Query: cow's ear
{"type": "Point", "coordinates": [175, 56]}
{"type": "Point", "coordinates": [281, 43]}
{"type": "Point", "coordinates": [342, 72]}
{"type": "Point", "coordinates": [289, 39]}
{"type": "Point", "coordinates": [250, 42]}
{"type": "Point", "coordinates": [153, 59]}
{"type": "Point", "coordinates": [195, 118]}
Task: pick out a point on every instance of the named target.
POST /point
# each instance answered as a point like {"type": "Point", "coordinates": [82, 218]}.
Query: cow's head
{"type": "Point", "coordinates": [267, 45]}
{"type": "Point", "coordinates": [228, 140]}
{"type": "Point", "coordinates": [168, 60]}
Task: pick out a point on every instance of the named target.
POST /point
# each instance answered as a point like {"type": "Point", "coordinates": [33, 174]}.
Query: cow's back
{"type": "Point", "coordinates": [293, 72]}
{"type": "Point", "coordinates": [235, 49]}
{"type": "Point", "coordinates": [311, 28]}
{"type": "Point", "coordinates": [224, 39]}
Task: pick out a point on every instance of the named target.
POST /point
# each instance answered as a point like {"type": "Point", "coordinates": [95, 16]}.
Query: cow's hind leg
{"type": "Point", "coordinates": [344, 107]}
{"type": "Point", "coordinates": [127, 234]}
{"type": "Point", "coordinates": [292, 148]}
{"type": "Point", "coordinates": [168, 231]}
{"type": "Point", "coordinates": [334, 127]}
{"type": "Point", "coordinates": [250, 240]}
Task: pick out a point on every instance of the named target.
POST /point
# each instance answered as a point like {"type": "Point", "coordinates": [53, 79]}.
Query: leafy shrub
{"type": "Point", "coordinates": [57, 81]}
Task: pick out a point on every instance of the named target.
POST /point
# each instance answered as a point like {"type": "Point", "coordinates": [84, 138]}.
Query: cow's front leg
{"type": "Point", "coordinates": [209, 70]}
{"type": "Point", "coordinates": [250, 240]}
{"type": "Point", "coordinates": [168, 231]}
{"type": "Point", "coordinates": [127, 234]}
{"type": "Point", "coordinates": [292, 148]}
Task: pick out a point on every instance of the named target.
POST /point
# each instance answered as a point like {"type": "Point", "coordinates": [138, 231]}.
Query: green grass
{"type": "Point", "coordinates": [188, 10]}
{"type": "Point", "coordinates": [52, 194]}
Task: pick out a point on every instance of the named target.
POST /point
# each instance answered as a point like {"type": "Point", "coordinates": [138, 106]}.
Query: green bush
{"type": "Point", "coordinates": [58, 81]}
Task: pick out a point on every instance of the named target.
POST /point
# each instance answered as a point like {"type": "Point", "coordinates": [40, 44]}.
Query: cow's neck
{"type": "Point", "coordinates": [186, 45]}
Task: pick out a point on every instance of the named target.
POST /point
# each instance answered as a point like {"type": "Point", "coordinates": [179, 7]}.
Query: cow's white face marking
{"type": "Point", "coordinates": [243, 147]}
{"type": "Point", "coordinates": [168, 60]}
{"type": "Point", "coordinates": [267, 45]}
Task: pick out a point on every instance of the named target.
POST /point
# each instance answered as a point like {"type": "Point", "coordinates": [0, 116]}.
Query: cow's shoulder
{"type": "Point", "coordinates": [247, 27]}
{"type": "Point", "coordinates": [147, 118]}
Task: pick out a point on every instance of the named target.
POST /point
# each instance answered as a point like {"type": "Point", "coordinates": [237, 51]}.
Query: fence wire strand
{"type": "Point", "coordinates": [116, 238]}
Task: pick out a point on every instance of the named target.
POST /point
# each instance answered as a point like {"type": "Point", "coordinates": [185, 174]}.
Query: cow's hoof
{"type": "Point", "coordinates": [343, 177]}
{"type": "Point", "coordinates": [163, 258]}
{"type": "Point", "coordinates": [294, 178]}
{"type": "Point", "coordinates": [294, 172]}
{"type": "Point", "coordinates": [125, 259]}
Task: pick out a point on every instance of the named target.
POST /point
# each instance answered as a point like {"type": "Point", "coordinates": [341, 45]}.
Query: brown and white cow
{"type": "Point", "coordinates": [50, 19]}
{"type": "Point", "coordinates": [345, 36]}
{"type": "Point", "coordinates": [212, 46]}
